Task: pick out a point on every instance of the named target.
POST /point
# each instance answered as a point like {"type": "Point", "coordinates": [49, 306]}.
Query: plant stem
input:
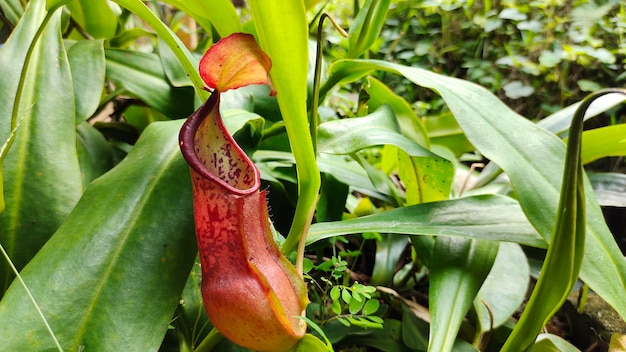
{"type": "Point", "coordinates": [314, 120]}
{"type": "Point", "coordinates": [210, 341]}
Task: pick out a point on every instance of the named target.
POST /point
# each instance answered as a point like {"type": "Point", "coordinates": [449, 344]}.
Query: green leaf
{"type": "Point", "coordinates": [221, 14]}
{"type": "Point", "coordinates": [501, 220]}
{"type": "Point", "coordinates": [13, 10]}
{"type": "Point", "coordinates": [388, 252]}
{"type": "Point", "coordinates": [348, 136]}
{"type": "Point", "coordinates": [505, 288]}
{"type": "Point", "coordinates": [563, 261]}
{"type": "Point", "coordinates": [128, 37]}
{"type": "Point", "coordinates": [602, 142]}
{"type": "Point", "coordinates": [560, 121]}
{"type": "Point", "coordinates": [346, 296]}
{"type": "Point", "coordinates": [95, 154]}
{"type": "Point", "coordinates": [332, 201]}
{"type": "Point", "coordinates": [455, 278]}
{"type": "Point", "coordinates": [553, 343]}
{"type": "Point", "coordinates": [532, 158]}
{"type": "Point", "coordinates": [365, 29]}
{"type": "Point", "coordinates": [246, 127]}
{"type": "Point", "coordinates": [138, 8]}
{"type": "Point", "coordinates": [310, 343]}
{"type": "Point", "coordinates": [387, 339]}
{"type": "Point", "coordinates": [336, 307]}
{"type": "Point", "coordinates": [99, 273]}
{"type": "Point", "coordinates": [143, 76]}
{"type": "Point", "coordinates": [414, 330]}
{"type": "Point", "coordinates": [87, 63]}
{"type": "Point", "coordinates": [444, 130]}
{"type": "Point", "coordinates": [371, 306]}
{"type": "Point", "coordinates": [174, 71]}
{"type": "Point", "coordinates": [283, 34]}
{"type": "Point", "coordinates": [426, 179]}
{"type": "Point", "coordinates": [94, 16]}
{"type": "Point", "coordinates": [335, 293]}
{"type": "Point", "coordinates": [42, 180]}
{"type": "Point", "coordinates": [618, 342]}
{"type": "Point", "coordinates": [197, 325]}
{"type": "Point", "coordinates": [355, 305]}
{"type": "Point", "coordinates": [50, 4]}
{"type": "Point", "coordinates": [410, 125]}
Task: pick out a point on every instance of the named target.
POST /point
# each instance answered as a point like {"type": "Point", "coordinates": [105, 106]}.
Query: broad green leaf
{"type": "Point", "coordinates": [42, 180]}
{"type": "Point", "coordinates": [602, 142]}
{"type": "Point", "coordinates": [501, 220]}
{"type": "Point", "coordinates": [609, 188]}
{"type": "Point", "coordinates": [143, 76]}
{"type": "Point", "coordinates": [365, 29]}
{"type": "Point", "coordinates": [283, 34]}
{"type": "Point", "coordinates": [348, 136]}
{"type": "Point", "coordinates": [532, 158]}
{"type": "Point", "coordinates": [220, 14]}
{"type": "Point", "coordinates": [111, 277]}
{"type": "Point", "coordinates": [410, 125]}
{"type": "Point", "coordinates": [94, 16]}
{"type": "Point", "coordinates": [426, 179]}
{"type": "Point", "coordinates": [505, 288]}
{"type": "Point", "coordinates": [455, 278]}
{"type": "Point", "coordinates": [553, 343]}
{"type": "Point", "coordinates": [563, 260]}
{"type": "Point", "coordinates": [87, 64]}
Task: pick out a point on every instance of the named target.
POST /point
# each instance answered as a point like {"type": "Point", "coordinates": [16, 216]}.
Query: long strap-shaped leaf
{"type": "Point", "coordinates": [42, 180]}
{"type": "Point", "coordinates": [566, 250]}
{"type": "Point", "coordinates": [531, 157]}
{"type": "Point", "coordinates": [283, 33]}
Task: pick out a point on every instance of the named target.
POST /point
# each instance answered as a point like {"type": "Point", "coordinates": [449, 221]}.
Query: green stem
{"type": "Point", "coordinates": [285, 42]}
{"type": "Point", "coordinates": [210, 341]}
{"type": "Point", "coordinates": [318, 73]}
{"type": "Point", "coordinates": [313, 124]}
